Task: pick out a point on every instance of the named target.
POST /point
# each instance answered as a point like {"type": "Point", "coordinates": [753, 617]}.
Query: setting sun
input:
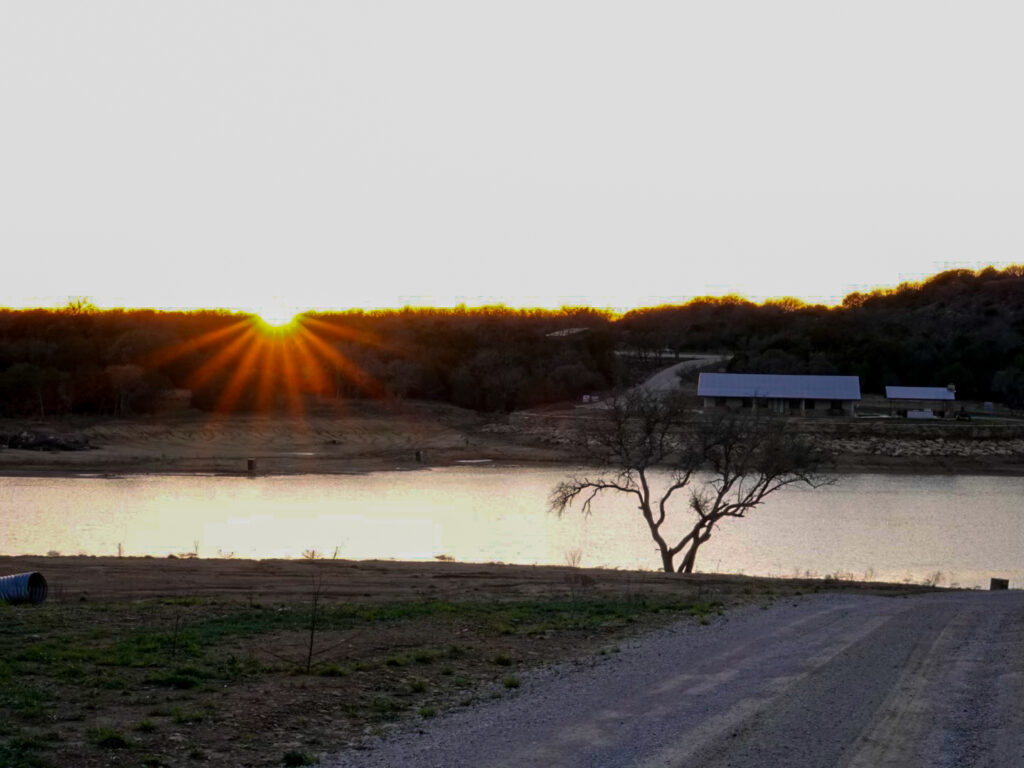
{"type": "Point", "coordinates": [278, 318]}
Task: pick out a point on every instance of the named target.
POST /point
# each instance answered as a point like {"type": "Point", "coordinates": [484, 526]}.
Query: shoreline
{"type": "Point", "coordinates": [421, 436]}
{"type": "Point", "coordinates": [280, 466]}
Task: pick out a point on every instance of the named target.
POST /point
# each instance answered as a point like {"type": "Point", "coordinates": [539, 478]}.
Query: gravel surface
{"type": "Point", "coordinates": [667, 379]}
{"type": "Point", "coordinates": [812, 682]}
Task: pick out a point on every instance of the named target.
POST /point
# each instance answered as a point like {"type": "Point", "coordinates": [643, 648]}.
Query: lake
{"type": "Point", "coordinates": [892, 527]}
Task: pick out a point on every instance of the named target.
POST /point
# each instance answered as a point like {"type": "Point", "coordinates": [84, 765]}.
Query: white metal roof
{"type": "Point", "coordinates": [919, 393]}
{"type": "Point", "coordinates": [778, 386]}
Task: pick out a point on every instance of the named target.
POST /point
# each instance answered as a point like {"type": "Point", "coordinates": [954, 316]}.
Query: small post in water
{"type": "Point", "coordinates": [999, 584]}
{"type": "Point", "coordinates": [250, 465]}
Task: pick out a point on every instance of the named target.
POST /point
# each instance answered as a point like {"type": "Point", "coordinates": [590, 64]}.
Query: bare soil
{"type": "Point", "coordinates": [166, 662]}
{"type": "Point", "coordinates": [106, 579]}
{"type": "Point", "coordinates": [363, 437]}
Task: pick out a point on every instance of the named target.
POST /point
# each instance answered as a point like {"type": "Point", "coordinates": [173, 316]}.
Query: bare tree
{"type": "Point", "coordinates": [729, 464]}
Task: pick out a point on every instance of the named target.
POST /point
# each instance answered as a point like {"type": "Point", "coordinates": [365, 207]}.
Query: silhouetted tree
{"type": "Point", "coordinates": [748, 458]}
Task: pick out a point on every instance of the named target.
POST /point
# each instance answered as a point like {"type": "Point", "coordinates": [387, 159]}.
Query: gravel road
{"type": "Point", "coordinates": [847, 681]}
{"type": "Point", "coordinates": [667, 379]}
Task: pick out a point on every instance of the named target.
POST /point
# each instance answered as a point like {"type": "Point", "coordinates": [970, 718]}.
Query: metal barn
{"type": "Point", "coordinates": [804, 395]}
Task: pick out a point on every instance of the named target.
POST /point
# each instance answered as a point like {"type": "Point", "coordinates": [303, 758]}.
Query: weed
{"type": "Point", "coordinates": [145, 726]}
{"type": "Point", "coordinates": [21, 752]}
{"type": "Point", "coordinates": [183, 716]}
{"type": "Point", "coordinates": [294, 757]}
{"type": "Point", "coordinates": [502, 660]}
{"type": "Point", "coordinates": [511, 682]}
{"type": "Point", "coordinates": [428, 712]}
{"type": "Point", "coordinates": [108, 738]}
{"type": "Point", "coordinates": [385, 707]}
{"type": "Point", "coordinates": [417, 685]}
{"type": "Point", "coordinates": [573, 557]}
{"type": "Point", "coordinates": [332, 670]}
{"type": "Point", "coordinates": [182, 679]}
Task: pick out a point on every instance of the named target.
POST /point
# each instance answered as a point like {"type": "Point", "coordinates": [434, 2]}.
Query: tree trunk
{"type": "Point", "coordinates": [690, 558]}
{"type": "Point", "coordinates": [666, 561]}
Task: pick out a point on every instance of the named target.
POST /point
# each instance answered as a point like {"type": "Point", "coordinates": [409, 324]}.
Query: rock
{"type": "Point", "coordinates": [41, 441]}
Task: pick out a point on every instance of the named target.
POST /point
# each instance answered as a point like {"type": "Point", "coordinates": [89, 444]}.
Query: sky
{"type": "Point", "coordinates": [322, 155]}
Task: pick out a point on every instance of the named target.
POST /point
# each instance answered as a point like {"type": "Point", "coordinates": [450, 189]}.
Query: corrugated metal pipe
{"type": "Point", "coordinates": [23, 588]}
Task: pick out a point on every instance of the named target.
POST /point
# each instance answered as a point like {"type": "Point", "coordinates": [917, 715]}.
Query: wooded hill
{"type": "Point", "coordinates": [959, 327]}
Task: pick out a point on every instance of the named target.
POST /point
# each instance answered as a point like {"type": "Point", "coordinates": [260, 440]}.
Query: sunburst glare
{"type": "Point", "coordinates": [278, 318]}
{"type": "Point", "coordinates": [270, 360]}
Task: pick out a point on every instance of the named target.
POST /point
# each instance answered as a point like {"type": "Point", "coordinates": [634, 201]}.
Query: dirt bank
{"type": "Point", "coordinates": [134, 578]}
{"type": "Point", "coordinates": [368, 437]}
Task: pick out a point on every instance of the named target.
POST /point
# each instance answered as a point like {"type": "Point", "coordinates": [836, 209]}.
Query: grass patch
{"type": "Point", "coordinates": [108, 738]}
{"type": "Point", "coordinates": [18, 750]}
{"type": "Point", "coordinates": [148, 667]}
{"type": "Point", "coordinates": [186, 716]}
{"type": "Point", "coordinates": [331, 670]}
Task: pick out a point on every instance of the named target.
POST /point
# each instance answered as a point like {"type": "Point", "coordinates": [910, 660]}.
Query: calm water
{"type": "Point", "coordinates": [886, 527]}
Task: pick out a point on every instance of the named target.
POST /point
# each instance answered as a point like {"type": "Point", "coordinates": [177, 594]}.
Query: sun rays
{"type": "Point", "coordinates": [267, 362]}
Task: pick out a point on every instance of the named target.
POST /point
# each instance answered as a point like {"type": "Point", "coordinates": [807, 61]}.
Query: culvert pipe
{"type": "Point", "coordinates": [23, 588]}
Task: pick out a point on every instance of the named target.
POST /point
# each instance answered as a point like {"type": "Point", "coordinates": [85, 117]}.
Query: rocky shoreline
{"type": "Point", "coordinates": [939, 446]}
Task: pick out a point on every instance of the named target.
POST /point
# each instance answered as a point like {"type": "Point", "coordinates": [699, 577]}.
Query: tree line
{"type": "Point", "coordinates": [960, 326]}
{"type": "Point", "coordinates": [81, 360]}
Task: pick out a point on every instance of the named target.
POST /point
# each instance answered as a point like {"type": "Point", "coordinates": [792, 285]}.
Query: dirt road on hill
{"type": "Point", "coordinates": [667, 379]}
{"type": "Point", "coordinates": [827, 681]}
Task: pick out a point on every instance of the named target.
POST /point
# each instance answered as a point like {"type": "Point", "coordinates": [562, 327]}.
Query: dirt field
{"type": "Point", "coordinates": [171, 662]}
{"type": "Point", "coordinates": [103, 579]}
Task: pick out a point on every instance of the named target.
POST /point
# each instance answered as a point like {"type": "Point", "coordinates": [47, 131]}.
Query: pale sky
{"type": "Point", "coordinates": [381, 153]}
